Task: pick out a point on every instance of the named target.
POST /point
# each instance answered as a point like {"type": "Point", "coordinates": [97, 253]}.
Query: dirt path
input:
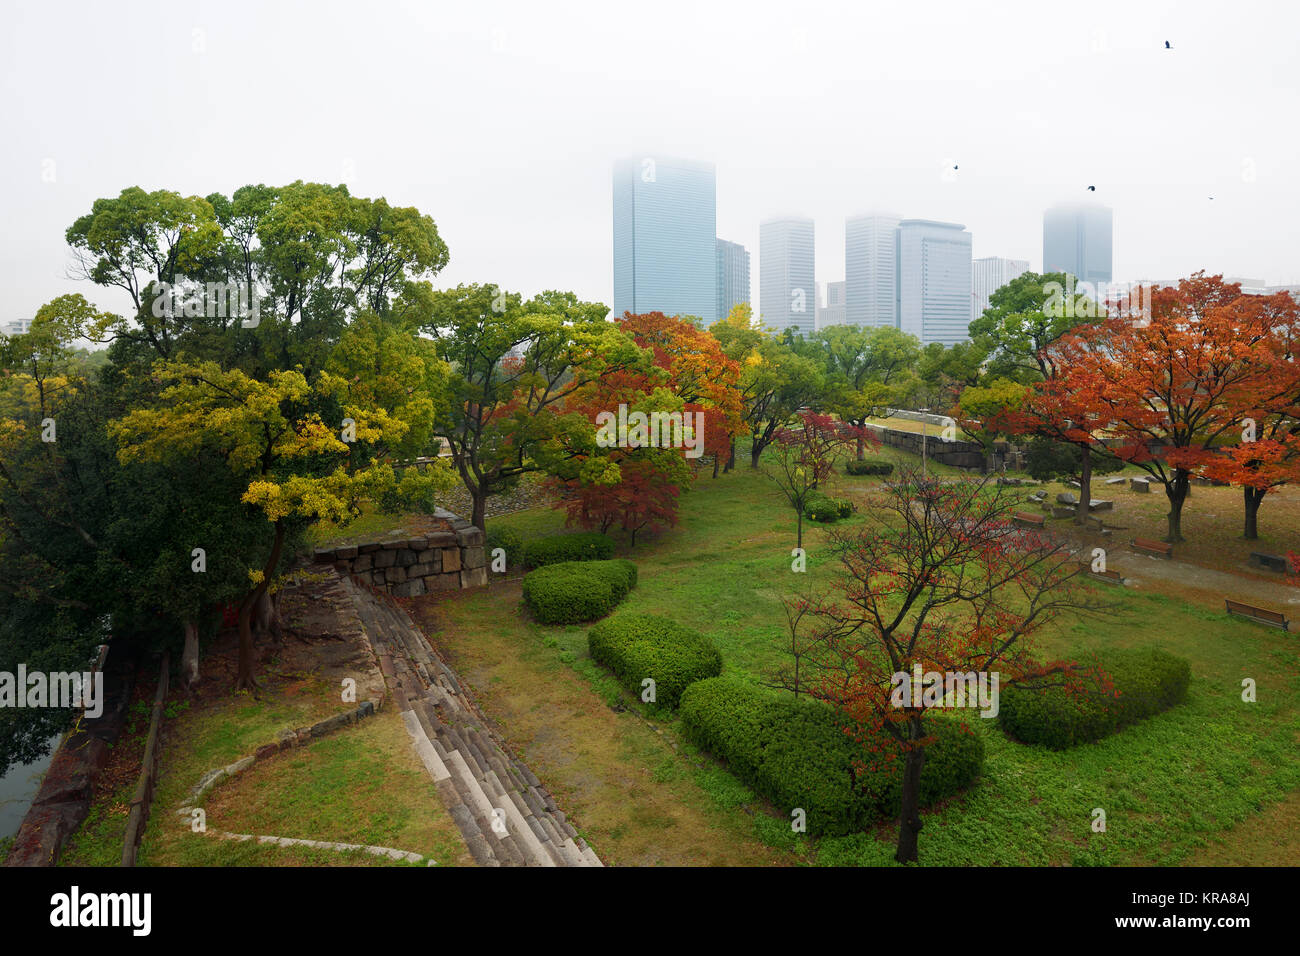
{"type": "Point", "coordinates": [1143, 572]}
{"type": "Point", "coordinates": [625, 788]}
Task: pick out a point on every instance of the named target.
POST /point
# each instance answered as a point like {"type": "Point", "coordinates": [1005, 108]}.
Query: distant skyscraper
{"type": "Point", "coordinates": [733, 276]}
{"type": "Point", "coordinates": [1077, 240]}
{"type": "Point", "coordinates": [16, 327]}
{"type": "Point", "coordinates": [832, 313]}
{"type": "Point", "coordinates": [934, 280]}
{"type": "Point", "coordinates": [990, 274]}
{"type": "Point", "coordinates": [665, 237]}
{"type": "Point", "coordinates": [787, 290]}
{"type": "Point", "coordinates": [871, 270]}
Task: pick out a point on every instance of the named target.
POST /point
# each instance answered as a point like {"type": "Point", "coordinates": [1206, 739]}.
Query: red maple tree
{"type": "Point", "coordinates": [938, 579]}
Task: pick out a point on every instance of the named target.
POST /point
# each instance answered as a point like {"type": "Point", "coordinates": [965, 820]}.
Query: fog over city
{"type": "Point", "coordinates": [502, 122]}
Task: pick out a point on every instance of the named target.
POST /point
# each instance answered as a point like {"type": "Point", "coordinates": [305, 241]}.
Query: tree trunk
{"type": "Point", "coordinates": [862, 441]}
{"type": "Point", "coordinates": [755, 450]}
{"type": "Point", "coordinates": [266, 618]}
{"type": "Point", "coordinates": [1176, 492]}
{"type": "Point", "coordinates": [479, 518]}
{"type": "Point", "coordinates": [246, 680]}
{"type": "Point", "coordinates": [190, 657]}
{"type": "Point", "coordinates": [1254, 498]}
{"type": "Point", "coordinates": [731, 457]}
{"type": "Point", "coordinates": [717, 460]}
{"type": "Point", "coordinates": [799, 533]}
{"type": "Point", "coordinates": [1085, 486]}
{"type": "Point", "coordinates": [909, 818]}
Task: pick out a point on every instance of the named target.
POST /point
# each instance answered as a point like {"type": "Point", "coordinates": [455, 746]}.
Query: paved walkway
{"type": "Point", "coordinates": [504, 813]}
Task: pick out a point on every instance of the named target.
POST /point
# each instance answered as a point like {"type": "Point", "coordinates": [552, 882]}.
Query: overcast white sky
{"type": "Point", "coordinates": [502, 120]}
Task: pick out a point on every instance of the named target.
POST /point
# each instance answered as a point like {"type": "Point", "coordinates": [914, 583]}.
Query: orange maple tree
{"type": "Point", "coordinates": [1171, 387]}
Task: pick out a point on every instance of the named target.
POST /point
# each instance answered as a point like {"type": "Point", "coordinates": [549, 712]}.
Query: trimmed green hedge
{"type": "Point", "coordinates": [869, 466]}
{"type": "Point", "coordinates": [575, 591]}
{"type": "Point", "coordinates": [795, 753]}
{"type": "Point", "coordinates": [825, 509]}
{"type": "Point", "coordinates": [637, 646]}
{"type": "Point", "coordinates": [510, 541]}
{"type": "Point", "coordinates": [1146, 680]}
{"type": "Point", "coordinates": [556, 548]}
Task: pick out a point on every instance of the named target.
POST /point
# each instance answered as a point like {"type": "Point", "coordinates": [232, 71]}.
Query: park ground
{"type": "Point", "coordinates": [1209, 782]}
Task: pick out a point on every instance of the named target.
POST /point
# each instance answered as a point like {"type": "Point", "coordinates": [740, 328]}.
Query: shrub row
{"type": "Point", "coordinates": [794, 753]}
{"type": "Point", "coordinates": [575, 591]}
{"type": "Point", "coordinates": [509, 540]}
{"type": "Point", "coordinates": [637, 646]}
{"type": "Point", "coordinates": [1146, 681]}
{"type": "Point", "coordinates": [869, 466]}
{"type": "Point", "coordinates": [580, 546]}
{"type": "Point", "coordinates": [825, 509]}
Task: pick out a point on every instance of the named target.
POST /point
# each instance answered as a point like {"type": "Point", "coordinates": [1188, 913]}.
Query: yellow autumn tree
{"type": "Point", "coordinates": [272, 433]}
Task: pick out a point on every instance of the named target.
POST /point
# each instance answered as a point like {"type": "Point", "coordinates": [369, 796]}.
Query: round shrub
{"type": "Point", "coordinates": [821, 508]}
{"type": "Point", "coordinates": [575, 591]}
{"type": "Point", "coordinates": [1146, 681]}
{"type": "Point", "coordinates": [619, 574]}
{"type": "Point", "coordinates": [869, 466]}
{"type": "Point", "coordinates": [580, 546]}
{"type": "Point", "coordinates": [637, 646]}
{"type": "Point", "coordinates": [825, 509]}
{"type": "Point", "coordinates": [795, 753]}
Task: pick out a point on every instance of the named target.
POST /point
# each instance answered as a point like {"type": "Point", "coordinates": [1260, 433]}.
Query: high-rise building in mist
{"type": "Point", "coordinates": [934, 280]}
{"type": "Point", "coordinates": [832, 311]}
{"type": "Point", "coordinates": [990, 274]}
{"type": "Point", "coordinates": [665, 237]}
{"type": "Point", "coordinates": [787, 292]}
{"type": "Point", "coordinates": [733, 276]}
{"type": "Point", "coordinates": [1077, 240]}
{"type": "Point", "coordinates": [871, 270]}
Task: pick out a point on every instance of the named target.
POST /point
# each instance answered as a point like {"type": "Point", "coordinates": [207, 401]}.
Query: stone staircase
{"type": "Point", "coordinates": [504, 813]}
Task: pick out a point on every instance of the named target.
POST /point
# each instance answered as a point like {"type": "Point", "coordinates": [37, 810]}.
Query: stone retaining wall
{"type": "Point", "coordinates": [959, 454]}
{"type": "Point", "coordinates": [449, 558]}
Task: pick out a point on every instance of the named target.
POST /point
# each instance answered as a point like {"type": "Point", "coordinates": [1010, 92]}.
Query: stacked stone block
{"type": "Point", "coordinates": [447, 559]}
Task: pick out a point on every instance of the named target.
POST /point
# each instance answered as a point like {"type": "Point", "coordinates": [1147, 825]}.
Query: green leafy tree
{"type": "Point", "coordinates": [512, 366]}
{"type": "Point", "coordinates": [868, 371]}
{"type": "Point", "coordinates": [775, 381]}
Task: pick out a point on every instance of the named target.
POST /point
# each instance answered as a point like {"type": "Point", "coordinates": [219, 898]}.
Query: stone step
{"type": "Point", "coordinates": [472, 767]}
{"type": "Point", "coordinates": [481, 806]}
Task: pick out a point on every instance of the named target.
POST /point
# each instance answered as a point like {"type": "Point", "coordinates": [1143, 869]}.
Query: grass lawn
{"type": "Point", "coordinates": [1172, 786]}
{"type": "Point", "coordinates": [363, 784]}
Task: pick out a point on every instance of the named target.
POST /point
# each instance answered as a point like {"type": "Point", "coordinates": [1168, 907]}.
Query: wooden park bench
{"type": "Point", "coordinates": [1258, 614]}
{"type": "Point", "coordinates": [1159, 548]}
{"type": "Point", "coordinates": [1028, 520]}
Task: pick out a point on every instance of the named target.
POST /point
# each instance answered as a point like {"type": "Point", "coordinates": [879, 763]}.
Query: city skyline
{"type": "Point", "coordinates": [537, 218]}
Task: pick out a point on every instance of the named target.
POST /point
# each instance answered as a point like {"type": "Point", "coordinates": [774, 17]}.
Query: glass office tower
{"type": "Point", "coordinates": [665, 237]}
